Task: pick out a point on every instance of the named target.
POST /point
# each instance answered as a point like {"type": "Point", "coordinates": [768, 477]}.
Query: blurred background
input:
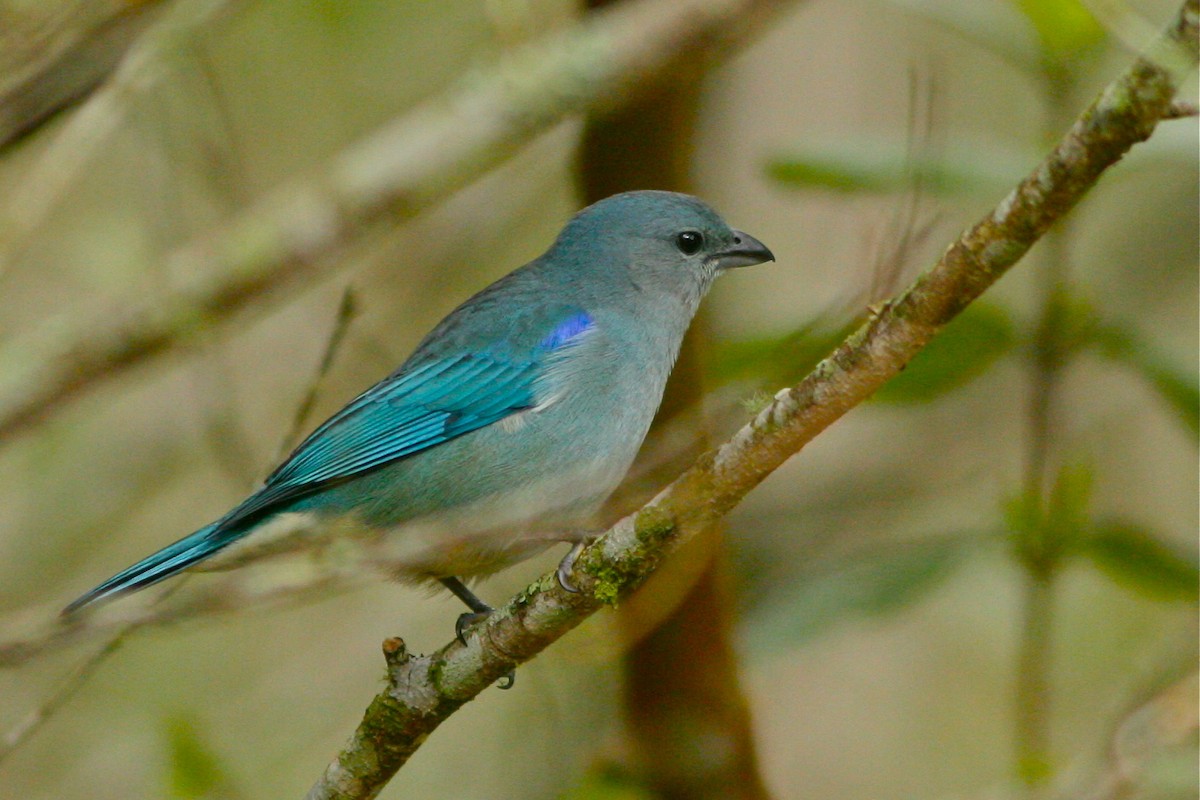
{"type": "Point", "coordinates": [980, 584]}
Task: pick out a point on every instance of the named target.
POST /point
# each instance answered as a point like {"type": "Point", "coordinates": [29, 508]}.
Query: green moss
{"type": "Point", "coordinates": [652, 526]}
{"type": "Point", "coordinates": [435, 674]}
{"type": "Point", "coordinates": [610, 580]}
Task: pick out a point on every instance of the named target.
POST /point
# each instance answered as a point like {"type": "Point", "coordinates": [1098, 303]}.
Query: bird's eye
{"type": "Point", "coordinates": [689, 242]}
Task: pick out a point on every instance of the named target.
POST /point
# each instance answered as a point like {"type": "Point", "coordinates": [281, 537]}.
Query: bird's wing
{"type": "Point", "coordinates": [415, 409]}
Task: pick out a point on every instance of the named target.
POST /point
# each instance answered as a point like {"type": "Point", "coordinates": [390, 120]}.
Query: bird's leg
{"type": "Point", "coordinates": [479, 611]}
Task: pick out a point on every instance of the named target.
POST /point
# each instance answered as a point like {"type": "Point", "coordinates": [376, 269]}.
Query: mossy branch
{"type": "Point", "coordinates": [422, 691]}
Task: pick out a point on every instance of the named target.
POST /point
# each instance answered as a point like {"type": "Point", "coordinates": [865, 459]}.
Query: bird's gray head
{"type": "Point", "coordinates": [659, 241]}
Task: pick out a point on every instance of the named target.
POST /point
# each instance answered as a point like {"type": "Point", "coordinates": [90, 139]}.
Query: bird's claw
{"type": "Point", "coordinates": [563, 573]}
{"type": "Point", "coordinates": [466, 621]}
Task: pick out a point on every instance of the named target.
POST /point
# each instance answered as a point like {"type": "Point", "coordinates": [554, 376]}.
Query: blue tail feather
{"type": "Point", "coordinates": [154, 568]}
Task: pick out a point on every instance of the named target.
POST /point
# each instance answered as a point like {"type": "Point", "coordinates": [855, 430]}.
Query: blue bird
{"type": "Point", "coordinates": [514, 418]}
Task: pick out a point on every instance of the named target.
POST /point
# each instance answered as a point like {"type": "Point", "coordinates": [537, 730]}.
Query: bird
{"type": "Point", "coordinates": [513, 419]}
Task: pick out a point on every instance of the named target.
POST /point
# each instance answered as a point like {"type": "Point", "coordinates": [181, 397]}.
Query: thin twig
{"type": "Point", "coordinates": [346, 311]}
{"type": "Point", "coordinates": [20, 733]}
{"type": "Point", "coordinates": [351, 565]}
{"type": "Point", "coordinates": [24, 730]}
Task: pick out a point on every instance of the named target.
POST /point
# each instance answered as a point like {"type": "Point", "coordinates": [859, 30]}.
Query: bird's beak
{"type": "Point", "coordinates": [746, 251]}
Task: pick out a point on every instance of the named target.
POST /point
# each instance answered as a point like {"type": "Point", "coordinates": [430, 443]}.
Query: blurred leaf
{"type": "Point", "coordinates": [963, 351]}
{"type": "Point", "coordinates": [195, 771]}
{"type": "Point", "coordinates": [1023, 514]}
{"type": "Point", "coordinates": [867, 584]}
{"type": "Point", "coordinates": [1067, 512]}
{"type": "Point", "coordinates": [773, 359]}
{"type": "Point", "coordinates": [608, 782]}
{"type": "Point", "coordinates": [873, 166]}
{"type": "Point", "coordinates": [1044, 530]}
{"type": "Point", "coordinates": [333, 15]}
{"type": "Point", "coordinates": [1065, 28]}
{"type": "Point", "coordinates": [1138, 560]}
{"type": "Point", "coordinates": [1179, 386]}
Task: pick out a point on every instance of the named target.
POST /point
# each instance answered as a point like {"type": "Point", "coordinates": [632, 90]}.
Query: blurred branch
{"type": "Point", "coordinates": [423, 691]}
{"type": "Point", "coordinates": [54, 54]}
{"type": "Point", "coordinates": [303, 571]}
{"type": "Point", "coordinates": [145, 64]}
{"type": "Point", "coordinates": [401, 170]}
{"type": "Point", "coordinates": [1039, 546]}
{"type": "Point", "coordinates": [20, 733]}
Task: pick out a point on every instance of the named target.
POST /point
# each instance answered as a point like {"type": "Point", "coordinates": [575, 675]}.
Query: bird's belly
{"type": "Point", "coordinates": [480, 502]}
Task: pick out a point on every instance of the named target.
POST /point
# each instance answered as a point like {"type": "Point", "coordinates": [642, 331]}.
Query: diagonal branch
{"type": "Point", "coordinates": [54, 54]}
{"type": "Point", "coordinates": [83, 43]}
{"type": "Point", "coordinates": [423, 691]}
{"type": "Point", "coordinates": [401, 170]}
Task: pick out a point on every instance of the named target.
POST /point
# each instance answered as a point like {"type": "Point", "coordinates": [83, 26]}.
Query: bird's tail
{"type": "Point", "coordinates": [154, 568]}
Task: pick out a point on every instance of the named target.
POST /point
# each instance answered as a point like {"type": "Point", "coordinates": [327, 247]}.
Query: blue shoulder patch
{"type": "Point", "coordinates": [574, 325]}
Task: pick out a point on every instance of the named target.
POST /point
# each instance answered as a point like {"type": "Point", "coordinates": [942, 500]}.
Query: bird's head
{"type": "Point", "coordinates": [655, 242]}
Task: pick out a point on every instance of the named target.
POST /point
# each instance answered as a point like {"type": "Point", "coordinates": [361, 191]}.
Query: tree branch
{"type": "Point", "coordinates": [423, 691]}
{"type": "Point", "coordinates": [54, 54]}
{"type": "Point", "coordinates": [401, 170]}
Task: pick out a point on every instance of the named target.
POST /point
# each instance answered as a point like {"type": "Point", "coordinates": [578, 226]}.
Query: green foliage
{"type": "Point", "coordinates": [1135, 558]}
{"type": "Point", "coordinates": [608, 782]}
{"type": "Point", "coordinates": [1045, 533]}
{"type": "Point", "coordinates": [873, 166]}
{"type": "Point", "coordinates": [1034, 769]}
{"type": "Point", "coordinates": [195, 772]}
{"type": "Point", "coordinates": [967, 347]}
{"type": "Point", "coordinates": [1065, 29]}
{"type": "Point", "coordinates": [1067, 515]}
{"type": "Point", "coordinates": [870, 584]}
{"type": "Point", "coordinates": [1044, 530]}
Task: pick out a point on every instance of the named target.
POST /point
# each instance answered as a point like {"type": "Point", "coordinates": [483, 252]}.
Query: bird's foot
{"type": "Point", "coordinates": [478, 613]}
{"type": "Point", "coordinates": [563, 573]}
{"type": "Point", "coordinates": [466, 621]}
{"type": "Point", "coordinates": [463, 624]}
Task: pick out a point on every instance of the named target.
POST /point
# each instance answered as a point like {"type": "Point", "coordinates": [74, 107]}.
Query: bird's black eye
{"type": "Point", "coordinates": [689, 242]}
